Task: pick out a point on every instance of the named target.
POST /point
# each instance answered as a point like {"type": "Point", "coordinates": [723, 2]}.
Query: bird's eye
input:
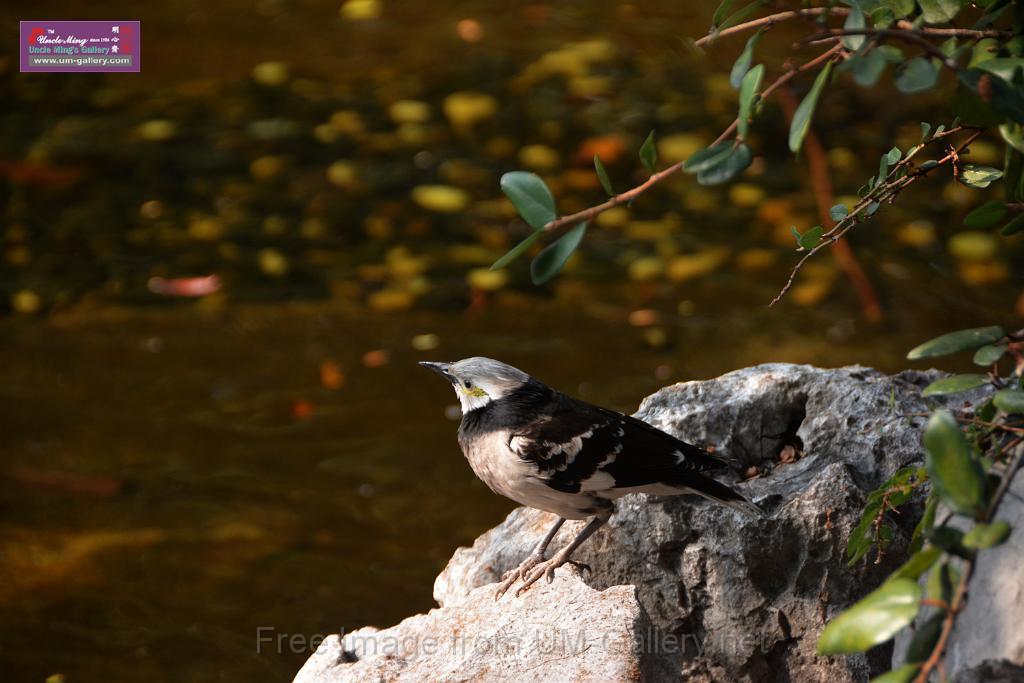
{"type": "Point", "coordinates": [467, 384]}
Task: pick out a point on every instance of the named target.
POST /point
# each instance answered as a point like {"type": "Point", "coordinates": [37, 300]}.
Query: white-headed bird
{"type": "Point", "coordinates": [546, 450]}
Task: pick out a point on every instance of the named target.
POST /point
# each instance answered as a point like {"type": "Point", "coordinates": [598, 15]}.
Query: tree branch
{"type": "Point", "coordinates": [771, 20]}
{"type": "Point", "coordinates": [629, 195]}
{"type": "Point", "coordinates": [885, 191]}
{"type": "Point", "coordinates": [905, 36]}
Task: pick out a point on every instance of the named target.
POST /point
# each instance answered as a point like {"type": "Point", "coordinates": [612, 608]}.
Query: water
{"type": "Point", "coordinates": [187, 485]}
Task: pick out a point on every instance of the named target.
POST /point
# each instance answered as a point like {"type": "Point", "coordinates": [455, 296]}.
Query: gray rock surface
{"type": "Point", "coordinates": [589, 637]}
{"type": "Point", "coordinates": [718, 595]}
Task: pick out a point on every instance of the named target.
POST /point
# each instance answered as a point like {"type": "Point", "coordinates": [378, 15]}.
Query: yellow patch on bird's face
{"type": "Point", "coordinates": [474, 391]}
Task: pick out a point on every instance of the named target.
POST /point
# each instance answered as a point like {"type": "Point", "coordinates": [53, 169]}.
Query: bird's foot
{"type": "Point", "coordinates": [520, 572]}
{"type": "Point", "coordinates": [547, 569]}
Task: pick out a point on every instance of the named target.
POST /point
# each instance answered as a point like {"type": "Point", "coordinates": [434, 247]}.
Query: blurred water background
{"type": "Point", "coordinates": [179, 471]}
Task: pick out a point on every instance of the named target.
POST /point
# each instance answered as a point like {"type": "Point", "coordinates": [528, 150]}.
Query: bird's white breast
{"type": "Point", "coordinates": [509, 475]}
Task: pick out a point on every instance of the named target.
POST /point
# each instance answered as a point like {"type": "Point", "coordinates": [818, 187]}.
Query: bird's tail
{"type": "Point", "coordinates": [723, 495]}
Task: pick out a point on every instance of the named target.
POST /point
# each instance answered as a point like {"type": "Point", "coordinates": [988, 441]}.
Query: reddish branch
{"type": "Point", "coordinates": [821, 184]}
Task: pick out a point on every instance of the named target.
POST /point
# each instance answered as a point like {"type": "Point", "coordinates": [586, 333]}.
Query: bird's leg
{"type": "Point", "coordinates": [535, 558]}
{"type": "Point", "coordinates": [548, 567]}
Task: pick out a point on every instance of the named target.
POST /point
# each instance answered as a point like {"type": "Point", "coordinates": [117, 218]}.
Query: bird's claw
{"type": "Point", "coordinates": [520, 572]}
{"type": "Point", "coordinates": [545, 569]}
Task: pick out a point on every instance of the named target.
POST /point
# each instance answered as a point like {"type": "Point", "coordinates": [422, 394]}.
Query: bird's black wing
{"type": "Point", "coordinates": [577, 446]}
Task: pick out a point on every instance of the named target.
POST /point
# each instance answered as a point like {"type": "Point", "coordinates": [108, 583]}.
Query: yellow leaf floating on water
{"type": "Point", "coordinates": [646, 268]}
{"type": "Point", "coordinates": [270, 73]}
{"type": "Point", "coordinates": [746, 194]}
{"type": "Point", "coordinates": [360, 10]}
{"type": "Point", "coordinates": [390, 300]}
{"type": "Point", "coordinates": [538, 157]}
{"type": "Point", "coordinates": [466, 109]}
{"type": "Point", "coordinates": [756, 259]}
{"type": "Point", "coordinates": [917, 234]}
{"type": "Point", "coordinates": [157, 130]}
{"type": "Point", "coordinates": [272, 262]}
{"type": "Point", "coordinates": [26, 301]}
{"type": "Point", "coordinates": [441, 198]}
{"type": "Point", "coordinates": [978, 273]}
{"type": "Point", "coordinates": [689, 266]}
{"type": "Point", "coordinates": [973, 245]}
{"type": "Point", "coordinates": [409, 111]}
{"type": "Point", "coordinates": [679, 147]}
{"type": "Point", "coordinates": [487, 280]}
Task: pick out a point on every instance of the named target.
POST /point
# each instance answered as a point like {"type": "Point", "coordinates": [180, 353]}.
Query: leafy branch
{"type": "Point", "coordinates": [885, 188]}
{"type": "Point", "coordinates": [956, 474]}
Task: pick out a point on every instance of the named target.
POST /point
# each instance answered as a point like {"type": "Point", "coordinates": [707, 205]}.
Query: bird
{"type": "Point", "coordinates": [547, 450]}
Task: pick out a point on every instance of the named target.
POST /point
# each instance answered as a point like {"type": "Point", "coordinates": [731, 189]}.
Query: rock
{"type": "Point", "coordinates": [722, 595]}
{"type": "Point", "coordinates": [589, 638]}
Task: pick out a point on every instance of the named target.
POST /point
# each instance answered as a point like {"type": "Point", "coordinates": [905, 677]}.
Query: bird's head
{"type": "Point", "coordinates": [478, 381]}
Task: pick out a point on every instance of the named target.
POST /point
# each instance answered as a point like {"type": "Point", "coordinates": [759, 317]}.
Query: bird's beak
{"type": "Point", "coordinates": [439, 368]}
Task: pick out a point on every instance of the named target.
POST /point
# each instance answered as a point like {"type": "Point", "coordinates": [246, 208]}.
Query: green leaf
{"type": "Point", "coordinates": [805, 112]}
{"type": "Point", "coordinates": [996, 94]}
{"type": "Point", "coordinates": [918, 564]}
{"type": "Point", "coordinates": [708, 157]}
{"type": "Point", "coordinates": [748, 92]}
{"type": "Point", "coordinates": [899, 8]}
{"type": "Point", "coordinates": [648, 154]}
{"type": "Point", "coordinates": [987, 535]}
{"type": "Point", "coordinates": [916, 75]}
{"type": "Point", "coordinates": [854, 22]}
{"type": "Point", "coordinates": [1014, 226]}
{"type": "Point", "coordinates": [904, 674]}
{"type": "Point", "coordinates": [942, 582]}
{"type": "Point", "coordinates": [955, 384]}
{"type": "Point", "coordinates": [873, 620]}
{"type": "Point", "coordinates": [925, 637]}
{"type": "Point", "coordinates": [516, 251]}
{"type": "Point", "coordinates": [530, 196]}
{"type": "Point", "coordinates": [1010, 401]}
{"type": "Point", "coordinates": [893, 156]}
{"type": "Point", "coordinates": [954, 342]}
{"type": "Point", "coordinates": [955, 474]}
{"type": "Point", "coordinates": [742, 64]}
{"type": "Point", "coordinates": [720, 12]}
{"type": "Point", "coordinates": [741, 14]}
{"type": "Point", "coordinates": [727, 168]}
{"type": "Point", "coordinates": [986, 215]}
{"type": "Point", "coordinates": [838, 212]}
{"type": "Point", "coordinates": [988, 354]}
{"type": "Point", "coordinates": [949, 539]}
{"type": "Point", "coordinates": [862, 535]}
{"type": "Point", "coordinates": [939, 11]}
{"type": "Point", "coordinates": [548, 262]}
{"type": "Point", "coordinates": [602, 175]}
{"type": "Point", "coordinates": [812, 238]}
{"type": "Point", "coordinates": [926, 129]}
{"type": "Point", "coordinates": [976, 175]}
{"type": "Point", "coordinates": [925, 525]}
{"type": "Point", "coordinates": [866, 68]}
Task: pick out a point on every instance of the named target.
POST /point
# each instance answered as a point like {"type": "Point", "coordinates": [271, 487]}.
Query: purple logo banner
{"type": "Point", "coordinates": [80, 46]}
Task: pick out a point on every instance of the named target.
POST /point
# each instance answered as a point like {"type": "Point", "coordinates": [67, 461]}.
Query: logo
{"type": "Point", "coordinates": [70, 46]}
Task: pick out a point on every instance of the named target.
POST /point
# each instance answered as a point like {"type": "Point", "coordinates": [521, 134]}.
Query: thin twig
{"type": "Point", "coordinates": [824, 197]}
{"type": "Point", "coordinates": [906, 36]}
{"type": "Point", "coordinates": [886, 191]}
{"type": "Point", "coordinates": [629, 195]}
